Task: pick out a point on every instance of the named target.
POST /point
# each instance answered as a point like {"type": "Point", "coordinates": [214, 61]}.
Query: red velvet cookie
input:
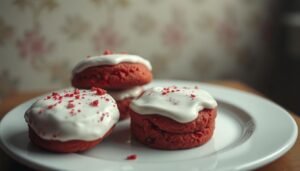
{"type": "Point", "coordinates": [160, 132]}
{"type": "Point", "coordinates": [173, 118]}
{"type": "Point", "coordinates": [64, 147]}
{"type": "Point", "coordinates": [112, 72]}
{"type": "Point", "coordinates": [71, 120]}
{"type": "Point", "coordinates": [123, 106]}
{"type": "Point", "coordinates": [124, 98]}
{"type": "Point", "coordinates": [205, 118]}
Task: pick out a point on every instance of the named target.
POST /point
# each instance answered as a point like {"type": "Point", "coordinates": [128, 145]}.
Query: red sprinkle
{"type": "Point", "coordinates": [70, 105]}
{"type": "Point", "coordinates": [50, 106]}
{"type": "Point", "coordinates": [72, 112]}
{"type": "Point", "coordinates": [76, 91]}
{"type": "Point", "coordinates": [94, 103]}
{"type": "Point", "coordinates": [77, 97]}
{"type": "Point", "coordinates": [107, 52]}
{"type": "Point", "coordinates": [99, 91]}
{"type": "Point", "coordinates": [131, 157]}
{"type": "Point", "coordinates": [68, 95]}
{"type": "Point", "coordinates": [193, 96]}
{"type": "Point", "coordinates": [101, 118]}
{"type": "Point", "coordinates": [55, 94]}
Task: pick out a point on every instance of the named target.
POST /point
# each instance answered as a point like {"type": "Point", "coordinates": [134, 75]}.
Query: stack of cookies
{"type": "Point", "coordinates": [109, 87]}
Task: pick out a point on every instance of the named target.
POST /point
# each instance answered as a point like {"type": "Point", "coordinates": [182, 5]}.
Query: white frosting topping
{"type": "Point", "coordinates": [128, 93]}
{"type": "Point", "coordinates": [179, 104]}
{"type": "Point", "coordinates": [109, 59]}
{"type": "Point", "coordinates": [73, 114]}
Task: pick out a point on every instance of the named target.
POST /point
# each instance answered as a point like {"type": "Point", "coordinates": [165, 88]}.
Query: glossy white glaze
{"type": "Point", "coordinates": [179, 104]}
{"type": "Point", "coordinates": [109, 59]}
{"type": "Point", "coordinates": [73, 114]}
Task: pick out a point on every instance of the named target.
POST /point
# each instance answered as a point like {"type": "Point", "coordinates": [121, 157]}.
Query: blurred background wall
{"type": "Point", "coordinates": [202, 40]}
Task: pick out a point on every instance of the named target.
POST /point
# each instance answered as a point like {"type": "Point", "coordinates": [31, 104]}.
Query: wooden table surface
{"type": "Point", "coordinates": [288, 162]}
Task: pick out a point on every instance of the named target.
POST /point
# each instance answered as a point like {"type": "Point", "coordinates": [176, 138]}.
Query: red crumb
{"type": "Point", "coordinates": [72, 112]}
{"type": "Point", "coordinates": [70, 105]}
{"type": "Point", "coordinates": [55, 94]}
{"type": "Point", "coordinates": [94, 103]}
{"type": "Point", "coordinates": [99, 91]}
{"type": "Point", "coordinates": [76, 91]}
{"type": "Point", "coordinates": [107, 52]}
{"type": "Point", "coordinates": [69, 95]}
{"type": "Point", "coordinates": [51, 106]}
{"type": "Point", "coordinates": [101, 118]}
{"type": "Point", "coordinates": [193, 96]}
{"type": "Point", "coordinates": [77, 97]}
{"type": "Point", "coordinates": [131, 157]}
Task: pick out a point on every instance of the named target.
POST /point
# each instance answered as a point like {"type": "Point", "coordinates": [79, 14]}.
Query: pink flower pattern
{"type": "Point", "coordinates": [33, 45]}
{"type": "Point", "coordinates": [160, 35]}
{"type": "Point", "coordinates": [173, 36]}
{"type": "Point", "coordinates": [107, 38]}
{"type": "Point", "coordinates": [227, 33]}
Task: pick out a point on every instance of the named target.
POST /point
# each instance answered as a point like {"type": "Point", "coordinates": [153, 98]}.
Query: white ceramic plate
{"type": "Point", "coordinates": [250, 132]}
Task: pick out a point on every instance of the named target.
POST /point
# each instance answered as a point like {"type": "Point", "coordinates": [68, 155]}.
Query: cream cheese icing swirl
{"type": "Point", "coordinates": [109, 59]}
{"type": "Point", "coordinates": [179, 104]}
{"type": "Point", "coordinates": [73, 114]}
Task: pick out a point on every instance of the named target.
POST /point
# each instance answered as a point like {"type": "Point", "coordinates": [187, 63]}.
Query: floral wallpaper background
{"type": "Point", "coordinates": [40, 41]}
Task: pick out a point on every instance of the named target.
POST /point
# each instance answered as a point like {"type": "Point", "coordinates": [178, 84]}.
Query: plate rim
{"type": "Point", "coordinates": [257, 164]}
